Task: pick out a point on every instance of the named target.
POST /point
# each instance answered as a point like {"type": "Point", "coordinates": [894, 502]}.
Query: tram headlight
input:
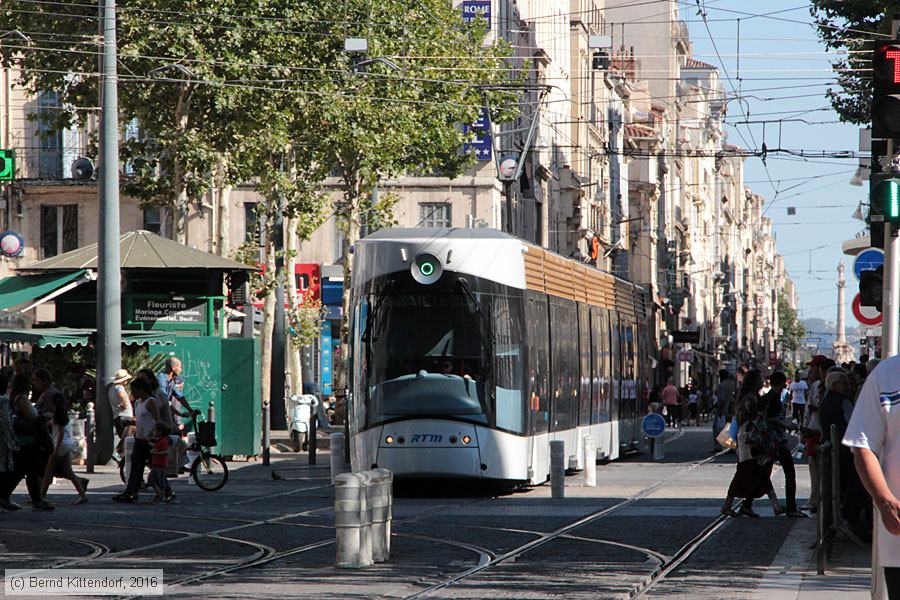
{"type": "Point", "coordinates": [466, 439]}
{"type": "Point", "coordinates": [426, 268]}
{"type": "Point", "coordinates": [389, 439]}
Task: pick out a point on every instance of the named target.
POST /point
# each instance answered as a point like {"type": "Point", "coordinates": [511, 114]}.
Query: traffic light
{"type": "Point", "coordinates": [870, 286]}
{"type": "Point", "coordinates": [886, 83]}
{"type": "Point", "coordinates": [884, 193]}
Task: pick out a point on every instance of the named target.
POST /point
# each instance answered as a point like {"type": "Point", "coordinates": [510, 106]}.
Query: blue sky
{"type": "Point", "coordinates": [782, 58]}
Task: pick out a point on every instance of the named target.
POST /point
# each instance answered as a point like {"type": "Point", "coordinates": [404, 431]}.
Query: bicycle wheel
{"type": "Point", "coordinates": [209, 472]}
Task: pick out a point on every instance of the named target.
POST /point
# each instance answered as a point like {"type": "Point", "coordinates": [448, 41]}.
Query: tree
{"type": "Point", "coordinates": [848, 26]}
{"type": "Point", "coordinates": [378, 121]}
{"type": "Point", "coordinates": [792, 328]}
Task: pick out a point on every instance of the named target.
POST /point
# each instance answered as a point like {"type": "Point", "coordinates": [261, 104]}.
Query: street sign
{"type": "Point", "coordinates": [11, 244]}
{"type": "Point", "coordinates": [686, 337]}
{"type": "Point", "coordinates": [482, 142]}
{"type": "Point", "coordinates": [472, 9]}
{"type": "Point", "coordinates": [653, 425]}
{"type": "Point", "coordinates": [508, 167]}
{"type": "Point", "coordinates": [685, 356]}
{"type": "Point", "coordinates": [868, 260]}
{"type": "Point", "coordinates": [866, 315]}
{"type": "Point", "coordinates": [7, 165]}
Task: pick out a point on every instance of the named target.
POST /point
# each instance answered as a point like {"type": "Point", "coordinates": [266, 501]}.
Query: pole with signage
{"type": "Point", "coordinates": [109, 309]}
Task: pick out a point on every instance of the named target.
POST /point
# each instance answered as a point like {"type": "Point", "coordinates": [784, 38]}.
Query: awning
{"type": "Point", "coordinates": [20, 289]}
{"type": "Point", "coordinates": [65, 336]}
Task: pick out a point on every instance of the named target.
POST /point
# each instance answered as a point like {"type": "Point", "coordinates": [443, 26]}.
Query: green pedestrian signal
{"type": "Point", "coordinates": [884, 192]}
{"type": "Point", "coordinates": [7, 165]}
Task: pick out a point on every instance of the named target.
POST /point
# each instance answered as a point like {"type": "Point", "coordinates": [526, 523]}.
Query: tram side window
{"type": "Point", "coordinates": [615, 373]}
{"type": "Point", "coordinates": [507, 322]}
{"type": "Point", "coordinates": [600, 330]}
{"type": "Point", "coordinates": [584, 351]}
{"type": "Point", "coordinates": [564, 363]}
{"type": "Point", "coordinates": [538, 377]}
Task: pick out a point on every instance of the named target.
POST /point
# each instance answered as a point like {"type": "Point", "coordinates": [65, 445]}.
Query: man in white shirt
{"type": "Point", "coordinates": [874, 435]}
{"type": "Point", "coordinates": [798, 396]}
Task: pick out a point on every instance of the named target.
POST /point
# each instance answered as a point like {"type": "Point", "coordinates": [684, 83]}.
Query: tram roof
{"type": "Point", "coordinates": [418, 233]}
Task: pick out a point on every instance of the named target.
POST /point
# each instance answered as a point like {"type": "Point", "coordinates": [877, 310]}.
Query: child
{"type": "Point", "coordinates": [160, 439]}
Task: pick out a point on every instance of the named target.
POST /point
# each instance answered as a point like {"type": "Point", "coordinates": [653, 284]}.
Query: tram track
{"type": "Point", "coordinates": [566, 530]}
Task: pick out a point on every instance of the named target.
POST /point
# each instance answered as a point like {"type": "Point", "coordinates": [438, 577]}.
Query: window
{"type": "Point", "coordinates": [434, 214]}
{"type": "Point", "coordinates": [59, 229]}
{"type": "Point", "coordinates": [159, 220]}
{"type": "Point", "coordinates": [49, 137]}
{"type": "Point", "coordinates": [251, 222]}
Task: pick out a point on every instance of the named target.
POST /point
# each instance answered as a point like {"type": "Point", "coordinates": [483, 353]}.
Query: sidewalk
{"type": "Point", "coordinates": [792, 574]}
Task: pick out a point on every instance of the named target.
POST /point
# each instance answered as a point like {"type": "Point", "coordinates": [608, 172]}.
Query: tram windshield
{"type": "Point", "coordinates": [427, 351]}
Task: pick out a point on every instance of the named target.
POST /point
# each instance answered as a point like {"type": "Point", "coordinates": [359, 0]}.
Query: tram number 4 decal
{"type": "Point", "coordinates": [425, 438]}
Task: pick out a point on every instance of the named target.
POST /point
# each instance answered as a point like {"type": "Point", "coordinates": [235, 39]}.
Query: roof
{"type": "Point", "coordinates": [456, 233]}
{"type": "Point", "coordinates": [693, 63]}
{"type": "Point", "coordinates": [141, 250]}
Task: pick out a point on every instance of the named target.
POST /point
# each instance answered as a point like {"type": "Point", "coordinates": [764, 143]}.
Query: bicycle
{"type": "Point", "coordinates": [209, 471]}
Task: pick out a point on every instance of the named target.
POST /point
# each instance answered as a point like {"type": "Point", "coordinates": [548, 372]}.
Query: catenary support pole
{"type": "Point", "coordinates": [557, 469]}
{"type": "Point", "coordinates": [277, 388]}
{"type": "Point", "coordinates": [891, 299]}
{"type": "Point", "coordinates": [109, 308]}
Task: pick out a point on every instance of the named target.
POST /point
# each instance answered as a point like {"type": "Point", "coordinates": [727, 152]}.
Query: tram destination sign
{"type": "Point", "coordinates": [170, 311]}
{"type": "Point", "coordinates": [686, 337]}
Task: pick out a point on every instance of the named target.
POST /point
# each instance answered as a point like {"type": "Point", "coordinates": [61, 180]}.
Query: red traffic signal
{"type": "Point", "coordinates": [886, 98]}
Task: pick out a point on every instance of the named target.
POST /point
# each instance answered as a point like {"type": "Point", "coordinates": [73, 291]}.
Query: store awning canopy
{"type": "Point", "coordinates": [19, 289]}
{"type": "Point", "coordinates": [65, 336]}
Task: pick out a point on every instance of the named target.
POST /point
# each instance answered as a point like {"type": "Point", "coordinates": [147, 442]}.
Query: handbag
{"type": "Point", "coordinates": [725, 439]}
{"type": "Point", "coordinates": [733, 428]}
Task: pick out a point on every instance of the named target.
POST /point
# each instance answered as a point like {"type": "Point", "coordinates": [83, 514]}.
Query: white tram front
{"type": "Point", "coordinates": [466, 361]}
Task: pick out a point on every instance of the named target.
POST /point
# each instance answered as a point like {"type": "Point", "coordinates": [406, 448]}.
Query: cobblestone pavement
{"type": "Point", "coordinates": [262, 538]}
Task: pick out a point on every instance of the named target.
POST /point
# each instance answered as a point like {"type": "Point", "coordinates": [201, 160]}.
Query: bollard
{"type": "Point", "coordinates": [379, 493]}
{"type": "Point", "coordinates": [89, 435]}
{"type": "Point", "coordinates": [590, 462]}
{"type": "Point", "coordinates": [349, 494]}
{"type": "Point", "coordinates": [211, 413]}
{"type": "Point", "coordinates": [557, 469]}
{"type": "Point", "coordinates": [659, 448]}
{"type": "Point", "coordinates": [337, 455]}
{"type": "Point", "coordinates": [365, 519]}
{"type": "Point", "coordinates": [128, 448]}
{"type": "Point", "coordinates": [312, 442]}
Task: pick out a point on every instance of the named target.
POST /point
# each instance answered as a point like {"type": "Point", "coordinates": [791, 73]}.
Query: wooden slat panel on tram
{"type": "Point", "coordinates": [534, 269]}
{"type": "Point", "coordinates": [579, 282]}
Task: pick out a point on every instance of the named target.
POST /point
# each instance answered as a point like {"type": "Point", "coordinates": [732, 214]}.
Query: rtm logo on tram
{"type": "Point", "coordinates": [424, 438]}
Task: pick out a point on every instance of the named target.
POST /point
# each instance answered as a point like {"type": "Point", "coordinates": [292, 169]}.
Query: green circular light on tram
{"type": "Point", "coordinates": [426, 268]}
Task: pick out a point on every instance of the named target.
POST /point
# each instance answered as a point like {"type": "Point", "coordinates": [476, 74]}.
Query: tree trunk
{"type": "Point", "coordinates": [295, 367]}
{"type": "Point", "coordinates": [350, 226]}
{"type": "Point", "coordinates": [178, 173]}
{"type": "Point", "coordinates": [223, 247]}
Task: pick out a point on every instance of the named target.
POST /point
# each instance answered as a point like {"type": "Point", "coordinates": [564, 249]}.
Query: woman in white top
{"type": "Point", "coordinates": [146, 415]}
{"type": "Point", "coordinates": [60, 460]}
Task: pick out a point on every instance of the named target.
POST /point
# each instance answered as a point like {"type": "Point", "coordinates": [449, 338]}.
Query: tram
{"type": "Point", "coordinates": [471, 350]}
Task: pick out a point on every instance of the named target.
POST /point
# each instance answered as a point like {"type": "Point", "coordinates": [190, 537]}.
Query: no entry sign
{"type": "Point", "coordinates": [866, 315]}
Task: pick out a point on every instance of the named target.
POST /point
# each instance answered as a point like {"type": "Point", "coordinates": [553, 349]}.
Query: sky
{"type": "Point", "coordinates": [783, 72]}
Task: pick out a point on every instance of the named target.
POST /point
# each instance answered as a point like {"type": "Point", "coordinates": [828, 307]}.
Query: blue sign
{"type": "Point", "coordinates": [481, 145]}
{"type": "Point", "coordinates": [326, 359]}
{"type": "Point", "coordinates": [653, 425]}
{"type": "Point", "coordinates": [868, 260]}
{"type": "Point", "coordinates": [471, 9]}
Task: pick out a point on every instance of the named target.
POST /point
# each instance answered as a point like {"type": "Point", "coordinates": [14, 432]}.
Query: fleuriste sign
{"type": "Point", "coordinates": [170, 311]}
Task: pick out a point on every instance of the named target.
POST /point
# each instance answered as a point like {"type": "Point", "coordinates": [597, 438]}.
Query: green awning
{"type": "Point", "coordinates": [20, 289]}
{"type": "Point", "coordinates": [65, 336]}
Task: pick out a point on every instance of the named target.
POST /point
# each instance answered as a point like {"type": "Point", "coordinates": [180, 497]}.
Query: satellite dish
{"type": "Point", "coordinates": [82, 169]}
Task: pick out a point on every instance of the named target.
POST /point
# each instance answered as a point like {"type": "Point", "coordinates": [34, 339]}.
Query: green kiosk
{"type": "Point", "coordinates": [173, 295]}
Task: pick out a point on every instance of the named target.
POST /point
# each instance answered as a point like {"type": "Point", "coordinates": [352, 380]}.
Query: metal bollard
{"type": "Point", "coordinates": [659, 448]}
{"type": "Point", "coordinates": [128, 449]}
{"type": "Point", "coordinates": [349, 495]}
{"type": "Point", "coordinates": [590, 462]}
{"type": "Point", "coordinates": [557, 469]}
{"type": "Point", "coordinates": [312, 442]}
{"type": "Point", "coordinates": [365, 517]}
{"type": "Point", "coordinates": [89, 435]}
{"type": "Point", "coordinates": [380, 492]}
{"type": "Point", "coordinates": [337, 455]}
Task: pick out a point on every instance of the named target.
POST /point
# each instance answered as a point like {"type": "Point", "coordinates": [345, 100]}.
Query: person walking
{"type": "Point", "coordinates": [669, 397]}
{"type": "Point", "coordinates": [776, 416]}
{"type": "Point", "coordinates": [146, 416]}
{"type": "Point", "coordinates": [158, 478]}
{"type": "Point", "coordinates": [752, 478]}
{"type": "Point", "coordinates": [122, 411]}
{"type": "Point", "coordinates": [722, 406]}
{"type": "Point", "coordinates": [798, 390]}
{"type": "Point", "coordinates": [873, 435]}
{"type": "Point", "coordinates": [29, 460]}
{"type": "Point", "coordinates": [8, 444]}
{"type": "Point", "coordinates": [60, 460]}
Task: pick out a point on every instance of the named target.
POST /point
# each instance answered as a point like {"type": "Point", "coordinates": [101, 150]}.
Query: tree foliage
{"type": "Point", "coordinates": [793, 330]}
{"type": "Point", "coordinates": [849, 25]}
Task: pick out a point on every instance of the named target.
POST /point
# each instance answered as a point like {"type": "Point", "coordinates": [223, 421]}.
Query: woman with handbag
{"type": "Point", "coordinates": [60, 459]}
{"type": "Point", "coordinates": [29, 459]}
{"type": "Point", "coordinates": [753, 476]}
